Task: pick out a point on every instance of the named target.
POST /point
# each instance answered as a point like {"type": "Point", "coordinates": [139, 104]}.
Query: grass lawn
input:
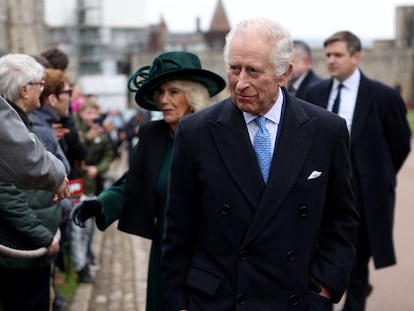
{"type": "Point", "coordinates": [69, 278]}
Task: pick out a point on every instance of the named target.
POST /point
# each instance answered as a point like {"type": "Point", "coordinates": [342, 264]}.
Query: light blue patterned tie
{"type": "Point", "coordinates": [263, 147]}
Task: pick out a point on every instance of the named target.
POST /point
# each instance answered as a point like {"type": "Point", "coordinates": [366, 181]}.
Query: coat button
{"type": "Point", "coordinates": [243, 255]}
{"type": "Point", "coordinates": [240, 299]}
{"type": "Point", "coordinates": [225, 209]}
{"type": "Point", "coordinates": [303, 211]}
{"type": "Point", "coordinates": [293, 300]}
{"type": "Point", "coordinates": [291, 256]}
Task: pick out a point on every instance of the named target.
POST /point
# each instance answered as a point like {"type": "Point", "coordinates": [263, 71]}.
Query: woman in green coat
{"type": "Point", "coordinates": [176, 85]}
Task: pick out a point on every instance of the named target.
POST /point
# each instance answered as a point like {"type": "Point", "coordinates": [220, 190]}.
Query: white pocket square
{"type": "Point", "coordinates": [314, 174]}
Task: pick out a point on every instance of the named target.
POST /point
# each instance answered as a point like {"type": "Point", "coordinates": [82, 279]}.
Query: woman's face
{"type": "Point", "coordinates": [62, 107]}
{"type": "Point", "coordinates": [173, 103]}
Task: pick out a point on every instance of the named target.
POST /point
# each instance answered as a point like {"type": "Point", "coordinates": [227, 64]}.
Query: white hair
{"type": "Point", "coordinates": [17, 70]}
{"type": "Point", "coordinates": [281, 54]}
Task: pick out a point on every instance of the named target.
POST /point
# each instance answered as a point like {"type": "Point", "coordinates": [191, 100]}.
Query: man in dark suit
{"type": "Point", "coordinates": [238, 236]}
{"type": "Point", "coordinates": [302, 75]}
{"type": "Point", "coordinates": [380, 142]}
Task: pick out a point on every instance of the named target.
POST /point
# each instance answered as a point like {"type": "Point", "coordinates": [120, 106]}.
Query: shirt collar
{"type": "Point", "coordinates": [298, 81]}
{"type": "Point", "coordinates": [273, 114]}
{"type": "Point", "coordinates": [351, 83]}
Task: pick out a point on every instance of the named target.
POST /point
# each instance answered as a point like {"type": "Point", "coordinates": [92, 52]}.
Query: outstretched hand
{"type": "Point", "coordinates": [84, 210]}
{"type": "Point", "coordinates": [63, 191]}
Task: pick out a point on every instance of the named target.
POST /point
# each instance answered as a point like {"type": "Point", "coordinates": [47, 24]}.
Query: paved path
{"type": "Point", "coordinates": [120, 284]}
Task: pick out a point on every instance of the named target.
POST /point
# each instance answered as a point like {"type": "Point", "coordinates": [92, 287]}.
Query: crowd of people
{"type": "Point", "coordinates": [273, 198]}
{"type": "Point", "coordinates": [48, 146]}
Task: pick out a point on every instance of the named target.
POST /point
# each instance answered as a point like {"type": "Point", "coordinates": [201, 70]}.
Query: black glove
{"type": "Point", "coordinates": [84, 210]}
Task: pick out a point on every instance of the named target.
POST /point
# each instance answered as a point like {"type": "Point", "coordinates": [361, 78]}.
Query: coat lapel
{"type": "Point", "coordinates": [294, 142]}
{"type": "Point", "coordinates": [323, 94]}
{"type": "Point", "coordinates": [363, 106]}
{"type": "Point", "coordinates": [230, 134]}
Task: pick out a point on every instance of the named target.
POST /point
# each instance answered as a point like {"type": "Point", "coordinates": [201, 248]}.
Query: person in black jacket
{"type": "Point", "coordinates": [380, 142]}
{"type": "Point", "coordinates": [71, 144]}
{"type": "Point", "coordinates": [260, 212]}
{"type": "Point", "coordinates": [302, 75]}
{"type": "Point", "coordinates": [176, 85]}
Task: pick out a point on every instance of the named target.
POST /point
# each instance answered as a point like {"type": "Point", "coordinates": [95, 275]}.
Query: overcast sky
{"type": "Point", "coordinates": [369, 19]}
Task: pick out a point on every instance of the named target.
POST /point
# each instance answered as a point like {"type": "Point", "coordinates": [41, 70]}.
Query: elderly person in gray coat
{"type": "Point", "coordinates": [28, 218]}
{"type": "Point", "coordinates": [25, 161]}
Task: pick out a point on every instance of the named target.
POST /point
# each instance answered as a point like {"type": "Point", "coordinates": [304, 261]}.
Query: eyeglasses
{"type": "Point", "coordinates": [41, 83]}
{"type": "Point", "coordinates": [68, 91]}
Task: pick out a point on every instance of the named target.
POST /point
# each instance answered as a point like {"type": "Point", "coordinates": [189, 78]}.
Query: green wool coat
{"type": "Point", "coordinates": [28, 220]}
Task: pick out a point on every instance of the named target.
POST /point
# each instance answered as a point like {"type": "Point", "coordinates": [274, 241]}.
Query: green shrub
{"type": "Point", "coordinates": [410, 116]}
{"type": "Point", "coordinates": [68, 289]}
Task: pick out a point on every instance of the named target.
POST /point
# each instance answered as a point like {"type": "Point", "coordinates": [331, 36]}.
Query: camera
{"type": "Point", "coordinates": [98, 121]}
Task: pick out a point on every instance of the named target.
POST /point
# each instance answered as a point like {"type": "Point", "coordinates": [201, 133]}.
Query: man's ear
{"type": "Point", "coordinates": [357, 57]}
{"type": "Point", "coordinates": [285, 77]}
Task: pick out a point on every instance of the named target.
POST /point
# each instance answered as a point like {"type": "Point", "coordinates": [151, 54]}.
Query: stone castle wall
{"type": "Point", "coordinates": [388, 61]}
{"type": "Point", "coordinates": [391, 66]}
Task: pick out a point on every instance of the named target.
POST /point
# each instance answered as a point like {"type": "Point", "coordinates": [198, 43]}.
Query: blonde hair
{"type": "Point", "coordinates": [90, 102]}
{"type": "Point", "coordinates": [196, 93]}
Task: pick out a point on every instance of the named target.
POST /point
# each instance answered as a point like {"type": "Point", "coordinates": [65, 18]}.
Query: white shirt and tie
{"type": "Point", "coordinates": [349, 93]}
{"type": "Point", "coordinates": [272, 118]}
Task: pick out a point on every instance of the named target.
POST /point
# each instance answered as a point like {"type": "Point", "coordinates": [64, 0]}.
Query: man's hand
{"type": "Point", "coordinates": [324, 292]}
{"type": "Point", "coordinates": [60, 131]}
{"type": "Point", "coordinates": [86, 209]}
{"type": "Point", "coordinates": [92, 171]}
{"type": "Point", "coordinates": [95, 131]}
{"type": "Point", "coordinates": [63, 191]}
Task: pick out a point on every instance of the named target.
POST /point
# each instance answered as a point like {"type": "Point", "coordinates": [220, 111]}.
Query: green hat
{"type": "Point", "coordinates": [178, 65]}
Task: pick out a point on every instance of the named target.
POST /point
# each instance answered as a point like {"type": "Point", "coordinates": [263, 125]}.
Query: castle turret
{"type": "Point", "coordinates": [404, 26]}
{"type": "Point", "coordinates": [219, 27]}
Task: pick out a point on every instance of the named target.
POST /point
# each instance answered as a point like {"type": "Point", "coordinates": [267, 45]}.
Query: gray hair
{"type": "Point", "coordinates": [281, 54]}
{"type": "Point", "coordinates": [302, 48]}
{"type": "Point", "coordinates": [17, 70]}
{"type": "Point", "coordinates": [196, 93]}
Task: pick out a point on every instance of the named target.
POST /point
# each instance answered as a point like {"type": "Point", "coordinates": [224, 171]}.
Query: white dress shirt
{"type": "Point", "coordinates": [272, 121]}
{"type": "Point", "coordinates": [298, 82]}
{"type": "Point", "coordinates": [349, 95]}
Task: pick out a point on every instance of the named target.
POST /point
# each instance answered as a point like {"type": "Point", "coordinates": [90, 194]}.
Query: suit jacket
{"type": "Point", "coordinates": [138, 210]}
{"type": "Point", "coordinates": [310, 79]}
{"type": "Point", "coordinates": [231, 241]}
{"type": "Point", "coordinates": [380, 142]}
